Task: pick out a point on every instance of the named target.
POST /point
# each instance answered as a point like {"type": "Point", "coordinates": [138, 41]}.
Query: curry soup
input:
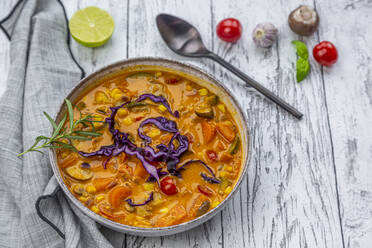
{"type": "Point", "coordinates": [169, 150]}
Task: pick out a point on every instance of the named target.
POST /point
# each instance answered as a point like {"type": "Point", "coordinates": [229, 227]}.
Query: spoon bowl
{"type": "Point", "coordinates": [180, 36]}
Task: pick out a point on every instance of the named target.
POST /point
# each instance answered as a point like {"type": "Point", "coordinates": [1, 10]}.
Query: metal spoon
{"type": "Point", "coordinates": [184, 39]}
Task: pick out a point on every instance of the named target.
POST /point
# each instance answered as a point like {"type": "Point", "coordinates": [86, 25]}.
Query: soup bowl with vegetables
{"type": "Point", "coordinates": [159, 146]}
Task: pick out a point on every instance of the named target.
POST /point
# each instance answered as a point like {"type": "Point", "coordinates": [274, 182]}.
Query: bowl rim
{"type": "Point", "coordinates": [154, 231]}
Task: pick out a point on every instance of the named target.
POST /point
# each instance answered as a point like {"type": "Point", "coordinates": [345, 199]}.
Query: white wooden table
{"type": "Point", "coordinates": [309, 183]}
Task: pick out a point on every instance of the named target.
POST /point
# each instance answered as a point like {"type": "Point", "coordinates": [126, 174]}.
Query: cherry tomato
{"type": "Point", "coordinates": [229, 30]}
{"type": "Point", "coordinates": [168, 186]}
{"type": "Point", "coordinates": [212, 155]}
{"type": "Point", "coordinates": [205, 190]}
{"type": "Point", "coordinates": [325, 53]}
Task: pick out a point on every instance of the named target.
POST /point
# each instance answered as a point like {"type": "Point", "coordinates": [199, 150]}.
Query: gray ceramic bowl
{"type": "Point", "coordinates": [186, 70]}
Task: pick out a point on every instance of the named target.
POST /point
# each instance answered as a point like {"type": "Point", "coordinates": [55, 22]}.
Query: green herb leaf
{"type": "Point", "coordinates": [61, 132]}
{"type": "Point", "coordinates": [77, 137]}
{"type": "Point", "coordinates": [51, 121]}
{"type": "Point", "coordinates": [302, 69]}
{"type": "Point", "coordinates": [60, 125]}
{"type": "Point", "coordinates": [301, 49]}
{"type": "Point", "coordinates": [93, 134]}
{"type": "Point", "coordinates": [70, 113]}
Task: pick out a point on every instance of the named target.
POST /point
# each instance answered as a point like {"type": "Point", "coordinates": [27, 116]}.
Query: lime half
{"type": "Point", "coordinates": [91, 27]}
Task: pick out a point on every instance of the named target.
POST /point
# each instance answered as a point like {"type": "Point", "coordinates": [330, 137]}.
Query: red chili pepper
{"type": "Point", "coordinates": [171, 80]}
{"type": "Point", "coordinates": [205, 190]}
{"type": "Point", "coordinates": [212, 155]}
{"type": "Point", "coordinates": [138, 118]}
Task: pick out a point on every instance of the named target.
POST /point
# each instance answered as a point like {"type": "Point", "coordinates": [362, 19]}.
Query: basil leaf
{"type": "Point", "coordinates": [302, 69]}
{"type": "Point", "coordinates": [301, 49]}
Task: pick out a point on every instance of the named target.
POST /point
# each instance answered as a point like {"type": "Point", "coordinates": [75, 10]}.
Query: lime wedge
{"type": "Point", "coordinates": [91, 27]}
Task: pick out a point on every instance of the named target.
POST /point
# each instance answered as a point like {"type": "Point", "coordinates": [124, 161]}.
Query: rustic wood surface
{"type": "Point", "coordinates": [309, 182]}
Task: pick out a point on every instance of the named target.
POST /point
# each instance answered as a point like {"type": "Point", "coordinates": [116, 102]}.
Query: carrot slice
{"type": "Point", "coordinates": [101, 183]}
{"type": "Point", "coordinates": [209, 131]}
{"type": "Point", "coordinates": [174, 216]}
{"type": "Point", "coordinates": [70, 160]}
{"type": "Point", "coordinates": [226, 131]}
{"type": "Point", "coordinates": [117, 195]}
{"type": "Point", "coordinates": [225, 157]}
{"type": "Point", "coordinates": [139, 171]}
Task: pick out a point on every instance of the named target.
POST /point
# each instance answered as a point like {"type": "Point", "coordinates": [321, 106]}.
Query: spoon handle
{"type": "Point", "coordinates": [253, 83]}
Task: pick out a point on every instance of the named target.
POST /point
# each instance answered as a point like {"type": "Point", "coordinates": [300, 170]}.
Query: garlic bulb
{"type": "Point", "coordinates": [265, 34]}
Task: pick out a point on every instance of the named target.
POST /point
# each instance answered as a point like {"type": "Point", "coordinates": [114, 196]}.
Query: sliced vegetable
{"type": "Point", "coordinates": [212, 100]}
{"type": "Point", "coordinates": [204, 112]}
{"type": "Point", "coordinates": [209, 179]}
{"type": "Point", "coordinates": [204, 207]}
{"type": "Point", "coordinates": [226, 157]}
{"type": "Point", "coordinates": [130, 202]}
{"type": "Point", "coordinates": [234, 147]}
{"type": "Point", "coordinates": [174, 216]}
{"type": "Point", "coordinates": [205, 190]}
{"type": "Point", "coordinates": [177, 172]}
{"type": "Point", "coordinates": [158, 99]}
{"type": "Point", "coordinates": [198, 205]}
{"type": "Point", "coordinates": [78, 173]}
{"type": "Point", "coordinates": [209, 132]}
{"type": "Point", "coordinates": [102, 183]}
{"type": "Point", "coordinates": [78, 189]}
{"type": "Point", "coordinates": [224, 184]}
{"type": "Point", "coordinates": [226, 131]}
{"type": "Point", "coordinates": [117, 195]}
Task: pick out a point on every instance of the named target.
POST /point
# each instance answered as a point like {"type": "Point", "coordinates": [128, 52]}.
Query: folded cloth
{"type": "Point", "coordinates": [42, 72]}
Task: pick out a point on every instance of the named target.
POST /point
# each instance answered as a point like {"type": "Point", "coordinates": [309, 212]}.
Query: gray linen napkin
{"type": "Point", "coordinates": [42, 72]}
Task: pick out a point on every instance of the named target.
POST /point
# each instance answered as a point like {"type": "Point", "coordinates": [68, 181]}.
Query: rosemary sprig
{"type": "Point", "coordinates": [60, 133]}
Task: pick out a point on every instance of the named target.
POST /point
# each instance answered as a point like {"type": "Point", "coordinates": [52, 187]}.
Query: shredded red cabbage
{"type": "Point", "coordinates": [168, 154]}
{"type": "Point", "coordinates": [158, 99]}
{"type": "Point", "coordinates": [160, 173]}
{"type": "Point", "coordinates": [210, 179]}
{"type": "Point", "coordinates": [85, 165]}
{"type": "Point", "coordinates": [130, 202]}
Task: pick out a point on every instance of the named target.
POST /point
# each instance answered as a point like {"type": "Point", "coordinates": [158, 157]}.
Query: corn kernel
{"type": "Point", "coordinates": [148, 186]}
{"type": "Point", "coordinates": [94, 209]}
{"type": "Point", "coordinates": [127, 121]}
{"type": "Point", "coordinates": [164, 210]}
{"type": "Point", "coordinates": [221, 107]}
{"type": "Point", "coordinates": [100, 97]}
{"type": "Point", "coordinates": [154, 133]}
{"type": "Point", "coordinates": [91, 189]}
{"type": "Point", "coordinates": [83, 199]}
{"type": "Point", "coordinates": [117, 97]}
{"type": "Point", "coordinates": [188, 87]}
{"type": "Point", "coordinates": [223, 173]}
{"type": "Point", "coordinates": [203, 92]}
{"type": "Point", "coordinates": [115, 92]}
{"type": "Point", "coordinates": [100, 198]}
{"type": "Point", "coordinates": [229, 168]}
{"type": "Point", "coordinates": [139, 218]}
{"type": "Point", "coordinates": [158, 74]}
{"type": "Point", "coordinates": [228, 190]}
{"type": "Point", "coordinates": [98, 124]}
{"type": "Point", "coordinates": [215, 204]}
{"type": "Point", "coordinates": [122, 112]}
{"type": "Point", "coordinates": [162, 108]}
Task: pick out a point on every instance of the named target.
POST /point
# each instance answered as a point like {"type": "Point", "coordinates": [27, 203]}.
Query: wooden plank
{"type": "Point", "coordinates": [291, 198]}
{"type": "Point", "coordinates": [348, 87]}
{"type": "Point", "coordinates": [92, 59]}
{"type": "Point", "coordinates": [144, 40]}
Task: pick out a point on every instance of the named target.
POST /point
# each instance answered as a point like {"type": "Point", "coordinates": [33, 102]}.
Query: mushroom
{"type": "Point", "coordinates": [304, 20]}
